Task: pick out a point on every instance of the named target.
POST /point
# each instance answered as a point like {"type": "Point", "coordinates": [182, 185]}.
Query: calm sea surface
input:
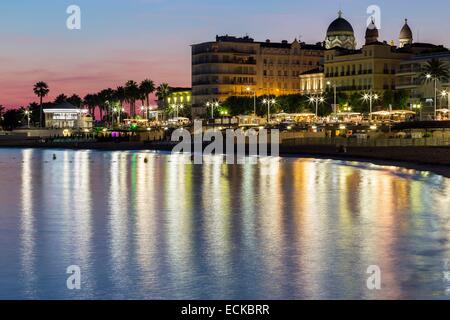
{"type": "Point", "coordinates": [163, 229]}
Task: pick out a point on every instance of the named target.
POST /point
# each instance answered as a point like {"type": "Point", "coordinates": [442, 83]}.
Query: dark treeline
{"type": "Point", "coordinates": [102, 102]}
{"type": "Point", "coordinates": [298, 103]}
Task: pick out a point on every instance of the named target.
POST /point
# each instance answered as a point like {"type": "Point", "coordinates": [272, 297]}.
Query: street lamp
{"type": "Point", "coordinates": [144, 109]}
{"type": "Point", "coordinates": [177, 106]}
{"type": "Point", "coordinates": [329, 83]}
{"type": "Point", "coordinates": [269, 102]}
{"type": "Point", "coordinates": [446, 94]}
{"type": "Point", "coordinates": [417, 108]}
{"type": "Point", "coordinates": [317, 100]}
{"type": "Point", "coordinates": [347, 109]}
{"type": "Point", "coordinates": [28, 113]}
{"type": "Point", "coordinates": [429, 76]}
{"type": "Point", "coordinates": [370, 97]}
{"type": "Point", "coordinates": [254, 99]}
{"type": "Point", "coordinates": [212, 105]}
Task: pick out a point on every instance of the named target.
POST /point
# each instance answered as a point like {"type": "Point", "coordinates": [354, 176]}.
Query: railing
{"type": "Point", "coordinates": [244, 62]}
{"type": "Point", "coordinates": [198, 73]}
{"type": "Point", "coordinates": [353, 142]}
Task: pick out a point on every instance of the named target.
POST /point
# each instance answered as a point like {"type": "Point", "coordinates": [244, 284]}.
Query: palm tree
{"type": "Point", "coordinates": [41, 90]}
{"type": "Point", "coordinates": [132, 94]}
{"type": "Point", "coordinates": [147, 87]}
{"type": "Point", "coordinates": [436, 69]}
{"type": "Point", "coordinates": [91, 102]}
{"type": "Point", "coordinates": [438, 72]}
{"type": "Point", "coordinates": [106, 99]}
{"type": "Point", "coordinates": [75, 100]}
{"type": "Point", "coordinates": [120, 95]}
{"type": "Point", "coordinates": [162, 92]}
{"type": "Point", "coordinates": [60, 99]}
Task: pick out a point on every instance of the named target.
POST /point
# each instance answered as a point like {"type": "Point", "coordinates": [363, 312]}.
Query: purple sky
{"type": "Point", "coordinates": [136, 39]}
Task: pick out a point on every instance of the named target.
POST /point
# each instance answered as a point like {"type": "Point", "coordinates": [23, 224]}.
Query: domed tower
{"type": "Point", "coordinates": [340, 34]}
{"type": "Point", "coordinates": [406, 35]}
{"type": "Point", "coordinates": [372, 33]}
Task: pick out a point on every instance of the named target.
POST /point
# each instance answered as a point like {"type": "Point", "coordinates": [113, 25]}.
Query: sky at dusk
{"type": "Point", "coordinates": [121, 40]}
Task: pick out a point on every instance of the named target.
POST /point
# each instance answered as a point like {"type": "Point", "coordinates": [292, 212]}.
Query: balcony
{"type": "Point", "coordinates": [219, 72]}
{"type": "Point", "coordinates": [224, 50]}
{"type": "Point", "coordinates": [222, 61]}
{"type": "Point", "coordinates": [222, 82]}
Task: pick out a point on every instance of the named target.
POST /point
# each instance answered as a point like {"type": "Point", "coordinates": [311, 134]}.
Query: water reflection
{"type": "Point", "coordinates": [27, 230]}
{"type": "Point", "coordinates": [148, 225]}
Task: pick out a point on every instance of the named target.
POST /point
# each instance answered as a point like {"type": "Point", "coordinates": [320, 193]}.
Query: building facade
{"type": "Point", "coordinates": [374, 66]}
{"type": "Point", "coordinates": [67, 116]}
{"type": "Point", "coordinates": [233, 66]}
{"type": "Point", "coordinates": [313, 82]}
{"type": "Point", "coordinates": [180, 96]}
{"type": "Point", "coordinates": [410, 77]}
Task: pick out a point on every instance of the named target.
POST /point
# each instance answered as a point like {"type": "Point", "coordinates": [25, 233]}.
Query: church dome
{"type": "Point", "coordinates": [406, 32]}
{"type": "Point", "coordinates": [406, 35]}
{"type": "Point", "coordinates": [340, 25]}
{"type": "Point", "coordinates": [372, 33]}
{"type": "Point", "coordinates": [340, 34]}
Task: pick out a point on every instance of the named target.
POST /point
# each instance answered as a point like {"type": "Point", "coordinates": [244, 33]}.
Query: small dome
{"type": "Point", "coordinates": [340, 25]}
{"type": "Point", "coordinates": [406, 32]}
{"type": "Point", "coordinates": [372, 33]}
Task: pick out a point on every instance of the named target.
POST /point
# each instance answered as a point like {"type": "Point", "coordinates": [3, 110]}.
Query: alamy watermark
{"type": "Point", "coordinates": [374, 19]}
{"type": "Point", "coordinates": [374, 280]}
{"type": "Point", "coordinates": [74, 280]}
{"type": "Point", "coordinates": [446, 276]}
{"type": "Point", "coordinates": [238, 146]}
{"type": "Point", "coordinates": [73, 22]}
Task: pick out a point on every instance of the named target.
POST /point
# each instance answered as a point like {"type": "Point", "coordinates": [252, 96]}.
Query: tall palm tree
{"type": "Point", "coordinates": [60, 99]}
{"type": "Point", "coordinates": [106, 101]}
{"type": "Point", "coordinates": [120, 95]}
{"type": "Point", "coordinates": [162, 92]}
{"type": "Point", "coordinates": [436, 69]}
{"type": "Point", "coordinates": [91, 103]}
{"type": "Point", "coordinates": [147, 87]}
{"type": "Point", "coordinates": [132, 94]}
{"type": "Point", "coordinates": [41, 89]}
{"type": "Point", "coordinates": [75, 100]}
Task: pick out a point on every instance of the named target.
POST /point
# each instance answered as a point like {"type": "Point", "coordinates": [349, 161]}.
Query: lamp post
{"type": "Point", "coordinates": [317, 100]}
{"type": "Point", "coordinates": [429, 76]}
{"type": "Point", "coordinates": [27, 113]}
{"type": "Point", "coordinates": [254, 99]}
{"type": "Point", "coordinates": [110, 113]}
{"type": "Point", "coordinates": [269, 102]}
{"type": "Point", "coordinates": [370, 97]}
{"type": "Point", "coordinates": [212, 105]}
{"type": "Point", "coordinates": [176, 107]}
{"type": "Point", "coordinates": [329, 83]}
{"type": "Point", "coordinates": [446, 94]}
{"type": "Point", "coordinates": [417, 107]}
